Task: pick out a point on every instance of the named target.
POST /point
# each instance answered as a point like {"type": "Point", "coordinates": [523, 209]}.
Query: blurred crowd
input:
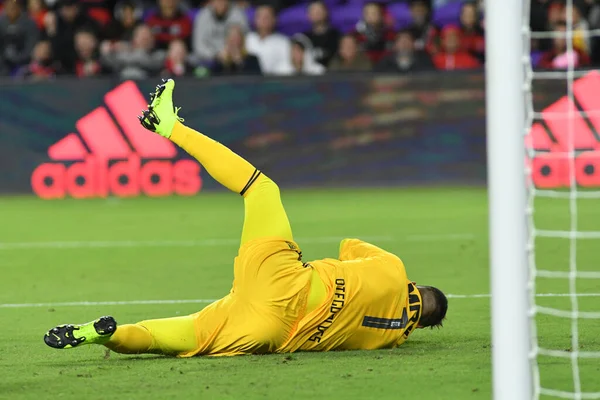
{"type": "Point", "coordinates": [135, 39]}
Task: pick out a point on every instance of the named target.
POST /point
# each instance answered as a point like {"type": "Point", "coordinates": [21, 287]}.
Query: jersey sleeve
{"type": "Point", "coordinates": [355, 249]}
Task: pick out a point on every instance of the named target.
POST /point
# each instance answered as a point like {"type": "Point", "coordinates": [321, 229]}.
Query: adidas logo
{"type": "Point", "coordinates": [104, 160]}
{"type": "Point", "coordinates": [551, 138]}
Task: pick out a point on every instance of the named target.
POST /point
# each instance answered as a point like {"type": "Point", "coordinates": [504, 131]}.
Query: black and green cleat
{"type": "Point", "coordinates": [161, 115]}
{"type": "Point", "coordinates": [67, 336]}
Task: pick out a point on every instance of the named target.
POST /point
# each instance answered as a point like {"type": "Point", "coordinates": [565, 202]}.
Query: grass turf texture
{"type": "Point", "coordinates": [441, 234]}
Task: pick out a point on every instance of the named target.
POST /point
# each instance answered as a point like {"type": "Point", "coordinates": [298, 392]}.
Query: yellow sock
{"type": "Point", "coordinates": [130, 339]}
{"type": "Point", "coordinates": [169, 336]}
{"type": "Point", "coordinates": [172, 335]}
{"type": "Point", "coordinates": [229, 169]}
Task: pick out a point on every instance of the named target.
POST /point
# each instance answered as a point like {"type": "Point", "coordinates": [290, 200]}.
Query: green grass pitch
{"type": "Point", "coordinates": [182, 249]}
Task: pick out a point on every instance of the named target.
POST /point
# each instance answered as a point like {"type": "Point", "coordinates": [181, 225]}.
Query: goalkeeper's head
{"type": "Point", "coordinates": [433, 308]}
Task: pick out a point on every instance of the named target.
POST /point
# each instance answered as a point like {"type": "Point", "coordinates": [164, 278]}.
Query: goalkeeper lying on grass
{"type": "Point", "coordinates": [278, 303]}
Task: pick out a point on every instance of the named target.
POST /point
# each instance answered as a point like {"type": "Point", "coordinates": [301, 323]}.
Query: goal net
{"type": "Point", "coordinates": [544, 223]}
{"type": "Point", "coordinates": [563, 206]}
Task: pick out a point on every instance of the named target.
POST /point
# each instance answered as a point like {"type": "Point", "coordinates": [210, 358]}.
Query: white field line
{"type": "Point", "coordinates": [214, 242]}
{"type": "Point", "coordinates": [440, 237]}
{"type": "Point", "coordinates": [206, 301]}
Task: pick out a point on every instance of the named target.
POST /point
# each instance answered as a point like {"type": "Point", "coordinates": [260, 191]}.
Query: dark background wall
{"type": "Point", "coordinates": [337, 130]}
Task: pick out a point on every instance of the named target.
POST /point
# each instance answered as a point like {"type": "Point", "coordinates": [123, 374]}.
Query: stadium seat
{"type": "Point", "coordinates": [536, 56]}
{"type": "Point", "coordinates": [250, 16]}
{"type": "Point", "coordinates": [345, 18]}
{"type": "Point", "coordinates": [363, 2]}
{"type": "Point", "coordinates": [193, 12]}
{"type": "Point", "coordinates": [293, 20]}
{"type": "Point", "coordinates": [332, 4]}
{"type": "Point", "coordinates": [401, 14]}
{"type": "Point", "coordinates": [447, 14]}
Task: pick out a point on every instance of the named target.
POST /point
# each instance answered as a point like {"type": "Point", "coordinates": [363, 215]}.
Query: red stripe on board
{"type": "Point", "coordinates": [587, 90]}
{"type": "Point", "coordinates": [102, 136]}
{"type": "Point", "coordinates": [557, 119]}
{"type": "Point", "coordinates": [67, 149]}
{"type": "Point", "coordinates": [538, 138]}
{"type": "Point", "coordinates": [126, 103]}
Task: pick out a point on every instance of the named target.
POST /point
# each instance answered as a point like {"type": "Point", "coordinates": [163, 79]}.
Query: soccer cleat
{"type": "Point", "coordinates": [67, 336]}
{"type": "Point", "coordinates": [161, 115]}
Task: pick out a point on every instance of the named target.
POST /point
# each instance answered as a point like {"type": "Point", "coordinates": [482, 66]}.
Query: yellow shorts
{"type": "Point", "coordinates": [271, 287]}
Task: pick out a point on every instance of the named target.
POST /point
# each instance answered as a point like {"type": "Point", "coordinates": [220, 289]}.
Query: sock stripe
{"type": "Point", "coordinates": [252, 179]}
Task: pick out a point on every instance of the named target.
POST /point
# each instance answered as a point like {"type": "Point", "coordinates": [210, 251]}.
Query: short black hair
{"type": "Point", "coordinates": [377, 3]}
{"type": "Point", "coordinates": [128, 4]}
{"type": "Point", "coordinates": [62, 3]}
{"type": "Point", "coordinates": [269, 5]}
{"type": "Point", "coordinates": [321, 2]}
{"type": "Point", "coordinates": [437, 316]}
{"type": "Point", "coordinates": [472, 4]}
{"type": "Point", "coordinates": [426, 3]}
{"type": "Point", "coordinates": [469, 3]}
{"type": "Point", "coordinates": [406, 31]}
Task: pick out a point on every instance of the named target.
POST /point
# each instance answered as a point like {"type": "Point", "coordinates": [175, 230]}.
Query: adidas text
{"type": "Point", "coordinates": [126, 178]}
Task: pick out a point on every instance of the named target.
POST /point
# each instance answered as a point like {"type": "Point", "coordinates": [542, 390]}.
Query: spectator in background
{"type": "Point", "coordinates": [375, 38]}
{"type": "Point", "coordinates": [271, 48]}
{"type": "Point", "coordinates": [539, 21]}
{"type": "Point", "coordinates": [538, 15]}
{"type": "Point", "coordinates": [559, 57]}
{"type": "Point", "coordinates": [234, 59]}
{"type": "Point", "coordinates": [37, 11]}
{"type": "Point", "coordinates": [176, 63]}
{"type": "Point", "coordinates": [128, 15]}
{"type": "Point", "coordinates": [18, 36]}
{"type": "Point", "coordinates": [138, 60]}
{"type": "Point", "coordinates": [424, 32]}
{"type": "Point", "coordinates": [324, 38]}
{"type": "Point", "coordinates": [581, 38]}
{"type": "Point", "coordinates": [302, 61]}
{"type": "Point", "coordinates": [86, 47]}
{"type": "Point", "coordinates": [211, 25]}
{"type": "Point", "coordinates": [348, 58]}
{"type": "Point", "coordinates": [452, 57]}
{"type": "Point", "coordinates": [405, 57]}
{"type": "Point", "coordinates": [61, 28]}
{"type": "Point", "coordinates": [169, 22]}
{"type": "Point", "coordinates": [555, 13]}
{"type": "Point", "coordinates": [472, 35]}
{"type": "Point", "coordinates": [42, 66]}
{"type": "Point", "coordinates": [593, 13]}
{"type": "Point", "coordinates": [594, 20]}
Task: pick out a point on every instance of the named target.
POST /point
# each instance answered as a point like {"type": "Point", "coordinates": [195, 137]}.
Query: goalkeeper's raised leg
{"type": "Point", "coordinates": [264, 218]}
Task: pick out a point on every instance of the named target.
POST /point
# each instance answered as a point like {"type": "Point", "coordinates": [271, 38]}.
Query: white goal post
{"type": "Point", "coordinates": [505, 105]}
{"type": "Point", "coordinates": [525, 362]}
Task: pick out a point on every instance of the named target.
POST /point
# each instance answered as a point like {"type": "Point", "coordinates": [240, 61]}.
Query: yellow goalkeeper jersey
{"type": "Point", "coordinates": [367, 302]}
{"type": "Point", "coordinates": [370, 302]}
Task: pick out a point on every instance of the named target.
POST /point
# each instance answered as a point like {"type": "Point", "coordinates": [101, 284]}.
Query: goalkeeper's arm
{"type": "Point", "coordinates": [353, 249]}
